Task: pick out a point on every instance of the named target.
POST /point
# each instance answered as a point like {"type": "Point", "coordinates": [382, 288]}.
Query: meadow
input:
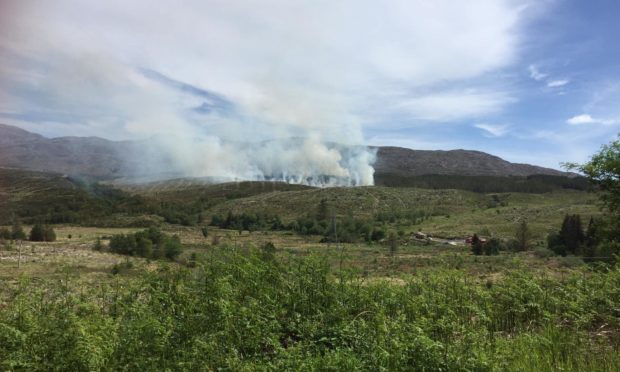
{"type": "Point", "coordinates": [275, 299]}
{"type": "Point", "coordinates": [308, 305]}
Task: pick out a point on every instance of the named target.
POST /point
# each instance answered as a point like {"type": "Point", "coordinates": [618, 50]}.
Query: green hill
{"type": "Point", "coordinates": [443, 212]}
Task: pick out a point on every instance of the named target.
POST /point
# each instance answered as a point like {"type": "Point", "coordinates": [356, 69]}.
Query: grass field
{"type": "Point", "coordinates": [312, 307]}
{"type": "Point", "coordinates": [227, 304]}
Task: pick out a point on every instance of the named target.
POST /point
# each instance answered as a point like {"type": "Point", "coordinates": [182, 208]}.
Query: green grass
{"type": "Point", "coordinates": [238, 311]}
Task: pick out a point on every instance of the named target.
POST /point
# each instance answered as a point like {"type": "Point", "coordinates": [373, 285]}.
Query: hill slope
{"type": "Point", "coordinates": [104, 159]}
{"type": "Point", "coordinates": [406, 162]}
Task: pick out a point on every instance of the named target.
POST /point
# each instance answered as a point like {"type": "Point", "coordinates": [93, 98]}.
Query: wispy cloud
{"type": "Point", "coordinates": [584, 119]}
{"type": "Point", "coordinates": [557, 83]}
{"type": "Point", "coordinates": [494, 130]}
{"type": "Point", "coordinates": [535, 73]}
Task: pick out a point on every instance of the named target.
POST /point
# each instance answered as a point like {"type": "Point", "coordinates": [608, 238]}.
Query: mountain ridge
{"type": "Point", "coordinates": [103, 159]}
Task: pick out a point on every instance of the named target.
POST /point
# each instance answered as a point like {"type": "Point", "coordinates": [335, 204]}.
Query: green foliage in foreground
{"type": "Point", "coordinates": [242, 312]}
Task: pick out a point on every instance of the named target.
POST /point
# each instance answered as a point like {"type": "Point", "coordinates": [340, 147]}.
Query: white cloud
{"type": "Point", "coordinates": [557, 83]}
{"type": "Point", "coordinates": [587, 119]}
{"type": "Point", "coordinates": [303, 68]}
{"type": "Point", "coordinates": [494, 130]}
{"type": "Point", "coordinates": [308, 63]}
{"type": "Point", "coordinates": [454, 105]}
{"type": "Point", "coordinates": [536, 74]}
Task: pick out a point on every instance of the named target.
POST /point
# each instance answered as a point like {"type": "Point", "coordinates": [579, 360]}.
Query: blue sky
{"type": "Point", "coordinates": [530, 81]}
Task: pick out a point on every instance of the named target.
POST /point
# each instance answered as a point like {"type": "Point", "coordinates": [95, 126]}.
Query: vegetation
{"type": "Point", "coordinates": [603, 169]}
{"type": "Point", "coordinates": [42, 233]}
{"type": "Point", "coordinates": [150, 243]}
{"type": "Point", "coordinates": [487, 184]}
{"type": "Point", "coordinates": [17, 231]}
{"type": "Point", "coordinates": [244, 312]}
{"type": "Point", "coordinates": [602, 238]}
{"type": "Point", "coordinates": [259, 288]}
{"type": "Point", "coordinates": [523, 236]}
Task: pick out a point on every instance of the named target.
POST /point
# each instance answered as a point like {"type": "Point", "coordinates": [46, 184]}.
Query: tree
{"type": "Point", "coordinates": [49, 234]}
{"type": "Point", "coordinates": [172, 247]}
{"type": "Point", "coordinates": [322, 211]}
{"type": "Point", "coordinates": [523, 236]}
{"type": "Point", "coordinates": [603, 169]}
{"type": "Point", "coordinates": [492, 247]}
{"type": "Point", "coordinates": [555, 244]}
{"type": "Point", "coordinates": [571, 234]}
{"type": "Point", "coordinates": [476, 245]}
{"type": "Point", "coordinates": [591, 241]}
{"type": "Point", "coordinates": [42, 233]}
{"type": "Point", "coordinates": [17, 232]}
{"type": "Point", "coordinates": [37, 233]}
{"type": "Point", "coordinates": [393, 242]}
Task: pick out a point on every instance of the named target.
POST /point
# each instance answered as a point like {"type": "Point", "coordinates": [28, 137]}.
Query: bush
{"type": "Point", "coordinates": [268, 251]}
{"type": "Point", "coordinates": [50, 234]}
{"type": "Point", "coordinates": [542, 252]}
{"type": "Point", "coordinates": [150, 243]}
{"type": "Point", "coordinates": [5, 234]}
{"type": "Point", "coordinates": [17, 232]}
{"type": "Point", "coordinates": [98, 245]}
{"type": "Point", "coordinates": [42, 233]}
{"type": "Point", "coordinates": [492, 247]}
{"type": "Point", "coordinates": [37, 233]}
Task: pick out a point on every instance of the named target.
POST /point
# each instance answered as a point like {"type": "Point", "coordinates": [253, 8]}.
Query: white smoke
{"type": "Point", "coordinates": [294, 82]}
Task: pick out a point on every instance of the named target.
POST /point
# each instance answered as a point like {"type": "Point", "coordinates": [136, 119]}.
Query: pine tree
{"type": "Point", "coordinates": [523, 236]}
{"type": "Point", "coordinates": [322, 213]}
{"type": "Point", "coordinates": [571, 234]}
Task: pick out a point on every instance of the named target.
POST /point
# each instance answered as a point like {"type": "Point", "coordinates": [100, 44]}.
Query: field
{"type": "Point", "coordinates": [230, 302]}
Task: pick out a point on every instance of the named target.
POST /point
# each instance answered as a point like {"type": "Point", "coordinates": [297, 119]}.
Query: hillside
{"type": "Point", "coordinates": [60, 199]}
{"type": "Point", "coordinates": [98, 158]}
{"type": "Point", "coordinates": [406, 162]}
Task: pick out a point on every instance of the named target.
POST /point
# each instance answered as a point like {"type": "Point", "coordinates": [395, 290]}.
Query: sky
{"type": "Point", "coordinates": [533, 81]}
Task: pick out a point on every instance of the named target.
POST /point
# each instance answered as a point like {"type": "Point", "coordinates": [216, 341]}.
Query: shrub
{"type": "Point", "coordinates": [268, 251]}
{"type": "Point", "coordinates": [492, 247]}
{"type": "Point", "coordinates": [50, 234]}
{"type": "Point", "coordinates": [42, 233]}
{"type": "Point", "coordinates": [98, 245]}
{"type": "Point", "coordinates": [37, 233]}
{"type": "Point", "coordinates": [17, 232]}
{"type": "Point", "coordinates": [150, 243]}
{"type": "Point", "coordinates": [542, 252]}
{"type": "Point", "coordinates": [5, 234]}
